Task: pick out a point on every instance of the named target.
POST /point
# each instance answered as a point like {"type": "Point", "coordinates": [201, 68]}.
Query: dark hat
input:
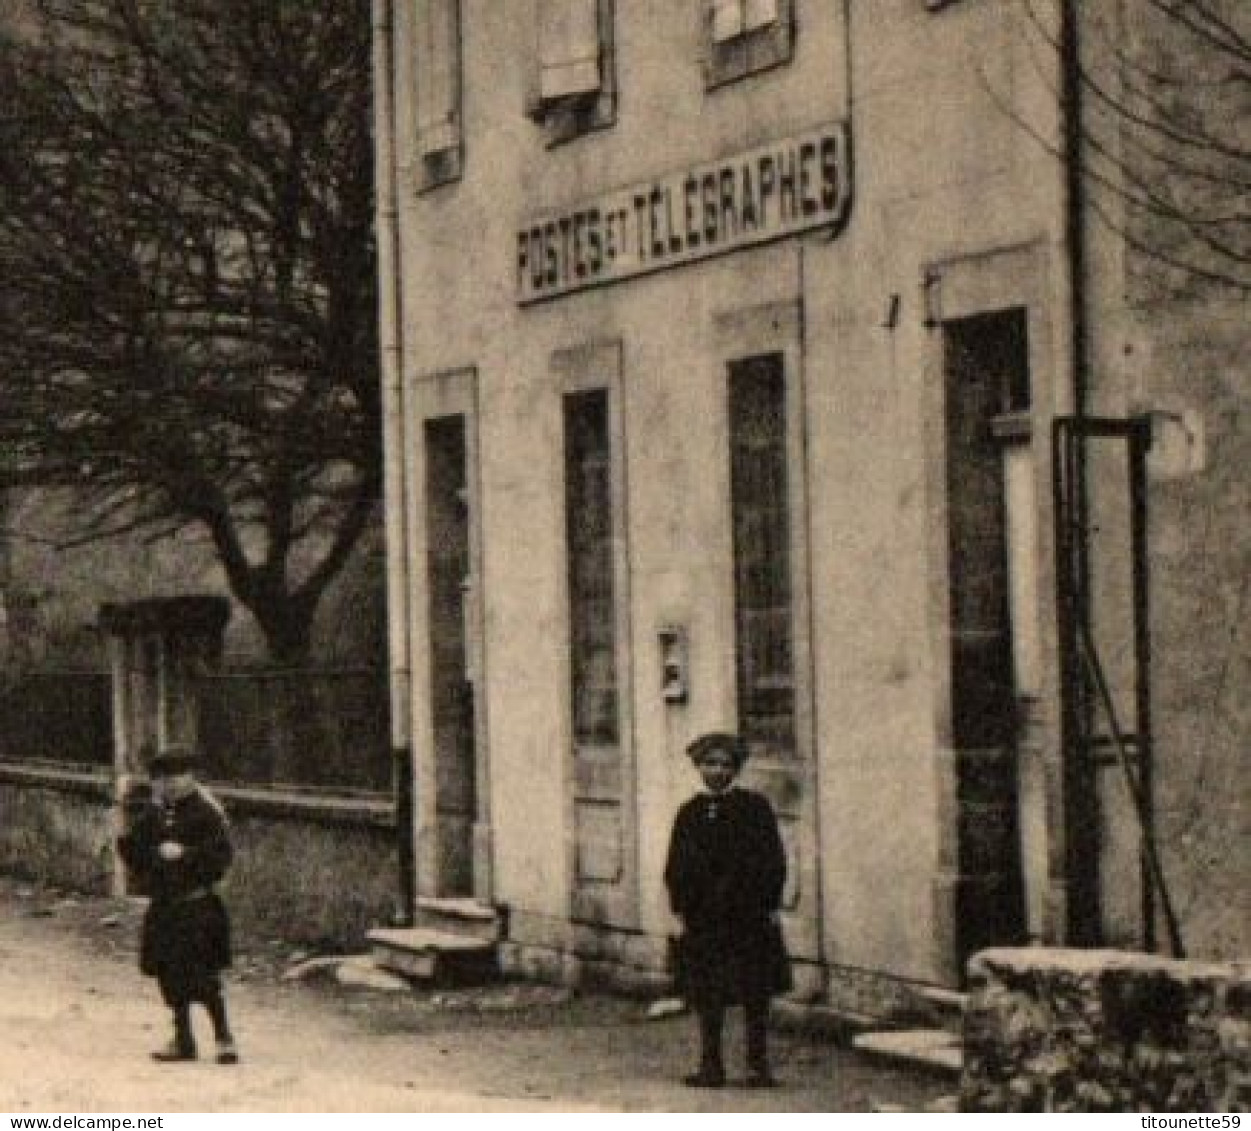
{"type": "Point", "coordinates": [176, 759]}
{"type": "Point", "coordinates": [718, 740]}
{"type": "Point", "coordinates": [137, 794]}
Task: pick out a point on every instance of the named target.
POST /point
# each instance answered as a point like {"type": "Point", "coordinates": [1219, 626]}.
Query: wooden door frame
{"type": "Point", "coordinates": [956, 287]}
{"type": "Point", "coordinates": [739, 335]}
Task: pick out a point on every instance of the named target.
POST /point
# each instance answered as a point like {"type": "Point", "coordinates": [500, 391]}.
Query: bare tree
{"type": "Point", "coordinates": [187, 281]}
{"type": "Point", "coordinates": [1160, 97]}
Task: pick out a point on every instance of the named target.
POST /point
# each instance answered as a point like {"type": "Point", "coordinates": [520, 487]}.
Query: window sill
{"type": "Point", "coordinates": [568, 119]}
{"type": "Point", "coordinates": [440, 168]}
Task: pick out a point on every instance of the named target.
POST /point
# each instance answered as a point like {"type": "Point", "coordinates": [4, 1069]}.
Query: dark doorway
{"type": "Point", "coordinates": [994, 658]}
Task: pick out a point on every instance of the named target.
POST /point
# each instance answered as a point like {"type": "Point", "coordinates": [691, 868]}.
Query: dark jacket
{"type": "Point", "coordinates": [725, 872]}
{"type": "Point", "coordinates": [186, 932]}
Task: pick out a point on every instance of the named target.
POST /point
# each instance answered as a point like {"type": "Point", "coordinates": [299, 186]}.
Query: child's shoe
{"type": "Point", "coordinates": [227, 1053]}
{"type": "Point", "coordinates": [174, 1051]}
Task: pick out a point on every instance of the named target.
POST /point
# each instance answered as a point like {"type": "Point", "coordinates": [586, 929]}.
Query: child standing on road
{"type": "Point", "coordinates": [725, 871]}
{"type": "Point", "coordinates": [178, 846]}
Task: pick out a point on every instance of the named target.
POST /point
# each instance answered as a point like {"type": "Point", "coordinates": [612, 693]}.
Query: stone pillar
{"type": "Point", "coordinates": [157, 648]}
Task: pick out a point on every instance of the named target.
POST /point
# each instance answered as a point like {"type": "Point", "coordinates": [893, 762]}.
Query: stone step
{"type": "Point", "coordinates": [935, 1049]}
{"type": "Point", "coordinates": [432, 955]}
{"type": "Point", "coordinates": [942, 1007]}
{"type": "Point", "coordinates": [459, 916]}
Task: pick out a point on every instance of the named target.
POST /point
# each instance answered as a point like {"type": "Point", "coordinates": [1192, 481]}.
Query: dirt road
{"type": "Point", "coordinates": [77, 1024]}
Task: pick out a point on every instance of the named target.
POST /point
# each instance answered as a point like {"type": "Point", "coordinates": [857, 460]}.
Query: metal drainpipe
{"type": "Point", "coordinates": [818, 839]}
{"type": "Point", "coordinates": [390, 343]}
{"type": "Point", "coordinates": [1082, 926]}
{"type": "Point", "coordinates": [1075, 198]}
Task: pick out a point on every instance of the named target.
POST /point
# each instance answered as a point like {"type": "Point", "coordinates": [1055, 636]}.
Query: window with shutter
{"type": "Point", "coordinates": [436, 33]}
{"type": "Point", "coordinates": [744, 37]}
{"type": "Point", "coordinates": [574, 88]}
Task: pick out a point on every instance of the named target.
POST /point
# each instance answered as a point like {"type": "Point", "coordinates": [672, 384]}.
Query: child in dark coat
{"type": "Point", "coordinates": [725, 871]}
{"type": "Point", "coordinates": [177, 846]}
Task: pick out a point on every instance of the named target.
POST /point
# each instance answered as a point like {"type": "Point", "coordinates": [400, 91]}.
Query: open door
{"type": "Point", "coordinates": [994, 629]}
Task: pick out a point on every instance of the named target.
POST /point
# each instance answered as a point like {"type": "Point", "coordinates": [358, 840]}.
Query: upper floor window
{"type": "Point", "coordinates": [575, 87]}
{"type": "Point", "coordinates": [742, 37]}
{"type": "Point", "coordinates": [436, 36]}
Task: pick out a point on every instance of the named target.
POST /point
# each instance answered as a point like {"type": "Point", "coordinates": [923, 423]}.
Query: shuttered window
{"type": "Point", "coordinates": [574, 90]}
{"type": "Point", "coordinates": [436, 34]}
{"type": "Point", "coordinates": [742, 37]}
{"type": "Point", "coordinates": [569, 48]}
{"type": "Point", "coordinates": [732, 18]}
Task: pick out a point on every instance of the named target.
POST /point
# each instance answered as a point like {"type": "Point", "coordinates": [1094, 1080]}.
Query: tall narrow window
{"type": "Point", "coordinates": [742, 37]}
{"type": "Point", "coordinates": [589, 521]}
{"type": "Point", "coordinates": [762, 565]}
{"type": "Point", "coordinates": [436, 33]}
{"type": "Point", "coordinates": [575, 87]}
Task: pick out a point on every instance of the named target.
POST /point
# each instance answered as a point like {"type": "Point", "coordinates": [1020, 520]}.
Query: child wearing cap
{"type": "Point", "coordinates": [178, 846]}
{"type": "Point", "coordinates": [725, 871]}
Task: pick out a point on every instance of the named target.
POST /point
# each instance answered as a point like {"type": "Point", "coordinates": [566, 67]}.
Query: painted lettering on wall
{"type": "Point", "coordinates": [751, 198]}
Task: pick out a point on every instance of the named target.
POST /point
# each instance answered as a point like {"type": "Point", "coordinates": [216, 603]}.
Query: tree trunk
{"type": "Point", "coordinates": [294, 715]}
{"type": "Point", "coordinates": [287, 625]}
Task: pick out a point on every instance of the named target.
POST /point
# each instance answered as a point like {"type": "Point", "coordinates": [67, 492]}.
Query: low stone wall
{"type": "Point", "coordinates": [308, 869]}
{"type": "Point", "coordinates": [316, 870]}
{"type": "Point", "coordinates": [56, 826]}
{"type": "Point", "coordinates": [1087, 1030]}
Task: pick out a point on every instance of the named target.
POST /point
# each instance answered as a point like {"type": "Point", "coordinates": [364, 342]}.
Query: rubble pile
{"type": "Point", "coordinates": [1098, 1030]}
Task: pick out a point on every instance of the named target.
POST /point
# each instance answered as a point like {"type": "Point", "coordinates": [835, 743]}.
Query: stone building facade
{"type": "Point", "coordinates": [726, 343]}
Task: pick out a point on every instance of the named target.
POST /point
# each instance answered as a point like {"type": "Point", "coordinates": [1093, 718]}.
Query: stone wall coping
{"type": "Point", "coordinates": [94, 783]}
{"type": "Point", "coordinates": [277, 802]}
{"type": "Point", "coordinates": [1039, 959]}
{"type": "Point", "coordinates": [322, 808]}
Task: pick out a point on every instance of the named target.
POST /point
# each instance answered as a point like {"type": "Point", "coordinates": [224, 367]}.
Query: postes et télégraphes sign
{"type": "Point", "coordinates": [766, 193]}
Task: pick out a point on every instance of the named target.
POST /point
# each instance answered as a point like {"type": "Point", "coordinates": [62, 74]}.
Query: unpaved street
{"type": "Point", "coordinates": [77, 1023]}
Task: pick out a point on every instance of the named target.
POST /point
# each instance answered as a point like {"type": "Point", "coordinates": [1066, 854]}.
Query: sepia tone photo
{"type": "Point", "coordinates": [625, 556]}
